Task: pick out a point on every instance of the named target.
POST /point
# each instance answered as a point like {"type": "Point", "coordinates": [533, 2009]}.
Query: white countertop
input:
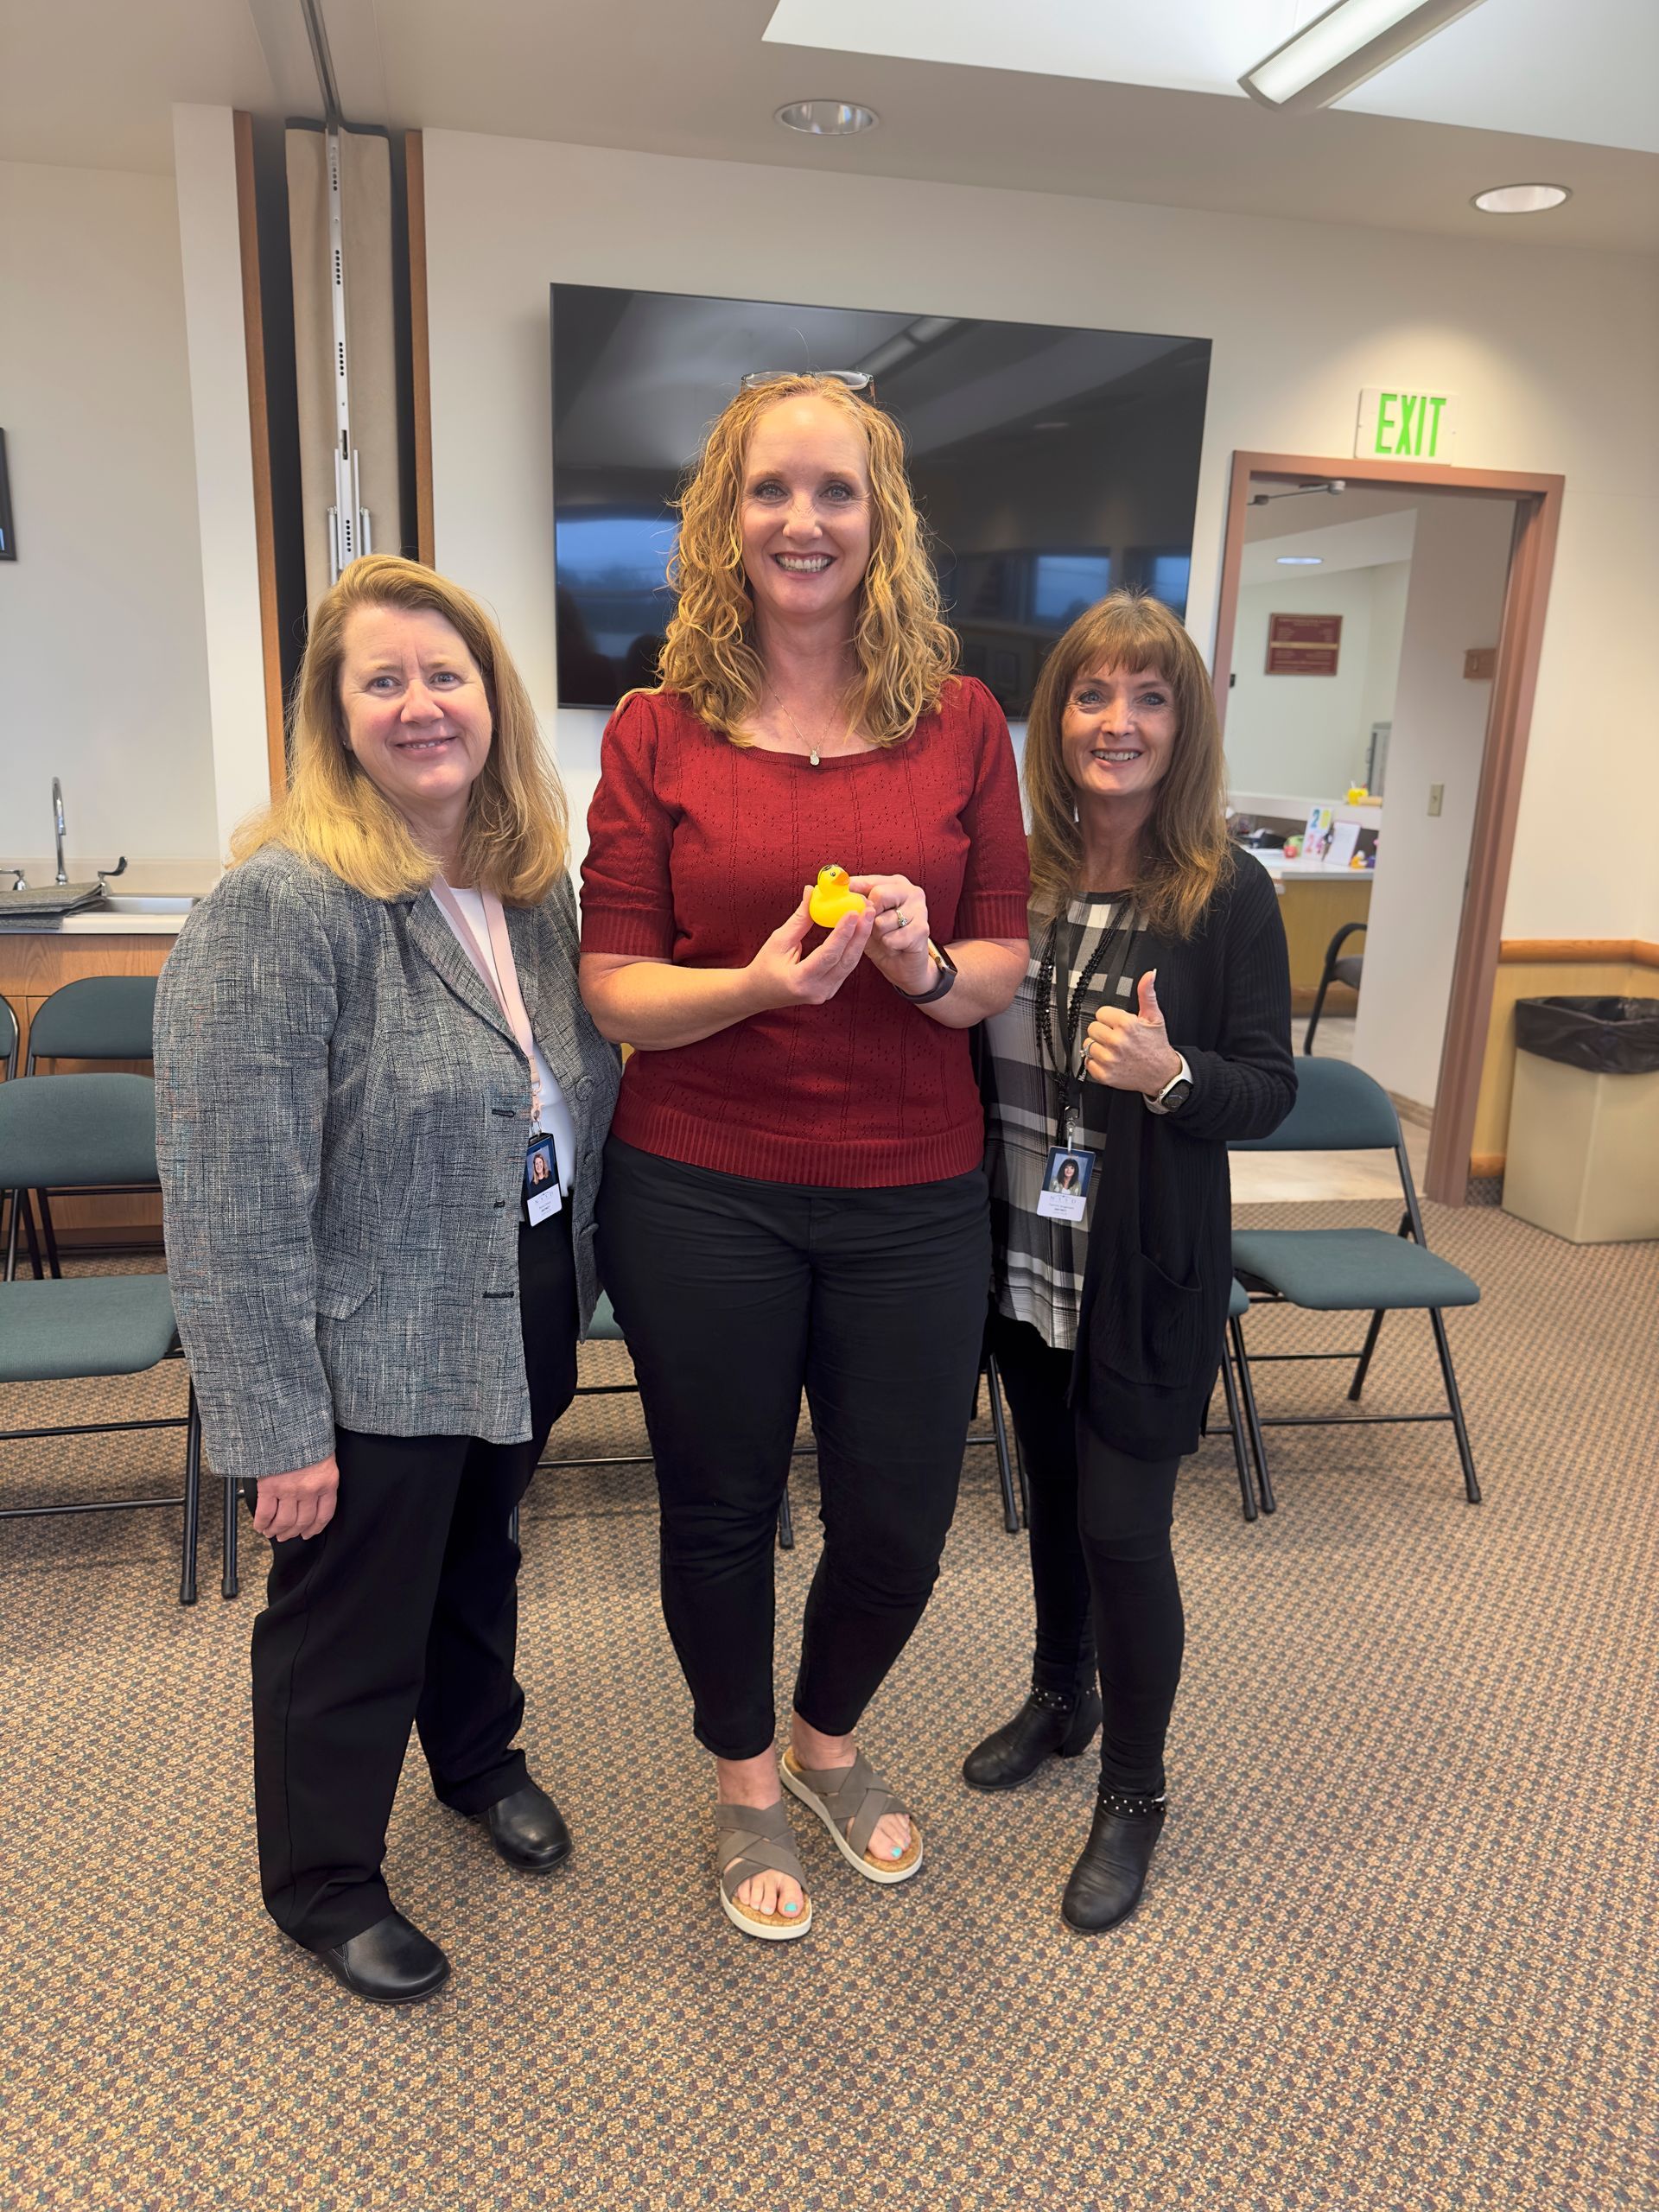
{"type": "Point", "coordinates": [1281, 869]}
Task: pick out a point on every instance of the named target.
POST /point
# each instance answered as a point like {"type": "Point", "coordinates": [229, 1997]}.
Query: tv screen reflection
{"type": "Point", "coordinates": [1050, 465]}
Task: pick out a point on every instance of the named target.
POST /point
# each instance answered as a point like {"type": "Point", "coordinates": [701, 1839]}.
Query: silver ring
{"type": "Point", "coordinates": [900, 919]}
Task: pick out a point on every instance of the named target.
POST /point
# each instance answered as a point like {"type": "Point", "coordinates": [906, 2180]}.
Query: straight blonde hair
{"type": "Point", "coordinates": [906, 651]}
{"type": "Point", "coordinates": [1186, 855]}
{"type": "Point", "coordinates": [514, 841]}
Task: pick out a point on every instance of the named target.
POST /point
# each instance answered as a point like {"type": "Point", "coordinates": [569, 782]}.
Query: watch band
{"type": "Point", "coordinates": [944, 981]}
{"type": "Point", "coordinates": [1165, 1101]}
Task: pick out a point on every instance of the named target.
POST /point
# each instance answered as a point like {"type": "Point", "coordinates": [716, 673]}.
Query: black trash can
{"type": "Point", "coordinates": [1583, 1156]}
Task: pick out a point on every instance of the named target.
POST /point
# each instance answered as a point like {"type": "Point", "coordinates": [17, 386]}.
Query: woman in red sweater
{"type": "Point", "coordinates": [794, 1194]}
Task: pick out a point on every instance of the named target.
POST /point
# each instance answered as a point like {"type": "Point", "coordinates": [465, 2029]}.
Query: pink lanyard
{"type": "Point", "coordinates": [499, 973]}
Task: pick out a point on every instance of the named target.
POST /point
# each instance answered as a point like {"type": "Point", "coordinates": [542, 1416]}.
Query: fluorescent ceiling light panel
{"type": "Point", "coordinates": [1514, 68]}
{"type": "Point", "coordinates": [1341, 48]}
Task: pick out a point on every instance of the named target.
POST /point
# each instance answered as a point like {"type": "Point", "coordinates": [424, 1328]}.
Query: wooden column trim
{"type": "Point", "coordinates": [253, 334]}
{"type": "Point", "coordinates": [420, 352]}
{"type": "Point", "coordinates": [1497, 807]}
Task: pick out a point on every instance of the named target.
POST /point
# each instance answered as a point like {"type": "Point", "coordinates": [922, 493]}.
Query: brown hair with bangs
{"type": "Point", "coordinates": [1185, 854]}
{"type": "Point", "coordinates": [905, 649]}
{"type": "Point", "coordinates": [514, 841]}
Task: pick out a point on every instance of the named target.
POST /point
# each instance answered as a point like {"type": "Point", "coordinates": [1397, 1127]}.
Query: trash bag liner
{"type": "Point", "coordinates": [1604, 1036]}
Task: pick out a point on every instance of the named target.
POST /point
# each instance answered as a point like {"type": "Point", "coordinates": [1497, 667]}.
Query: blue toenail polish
{"type": "Point", "coordinates": [791, 1908]}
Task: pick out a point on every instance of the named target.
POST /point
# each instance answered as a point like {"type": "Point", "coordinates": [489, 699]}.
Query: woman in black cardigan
{"type": "Point", "coordinates": [1153, 1028]}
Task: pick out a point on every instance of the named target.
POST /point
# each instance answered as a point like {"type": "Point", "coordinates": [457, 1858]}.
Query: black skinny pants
{"type": "Point", "coordinates": [735, 1293]}
{"type": "Point", "coordinates": [403, 1610]}
{"type": "Point", "coordinates": [1102, 1568]}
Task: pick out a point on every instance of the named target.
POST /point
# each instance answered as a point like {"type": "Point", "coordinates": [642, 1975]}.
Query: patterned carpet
{"type": "Point", "coordinates": [1399, 1950]}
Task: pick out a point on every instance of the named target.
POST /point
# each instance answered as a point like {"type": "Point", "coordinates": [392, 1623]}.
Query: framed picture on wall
{"type": "Point", "coordinates": [1303, 644]}
{"type": "Point", "coordinates": [7, 536]}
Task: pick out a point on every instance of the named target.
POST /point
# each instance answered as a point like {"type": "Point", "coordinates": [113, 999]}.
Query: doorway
{"type": "Point", "coordinates": [1342, 665]}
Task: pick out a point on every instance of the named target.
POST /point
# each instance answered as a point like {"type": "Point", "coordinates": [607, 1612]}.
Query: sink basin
{"type": "Point", "coordinates": [139, 903]}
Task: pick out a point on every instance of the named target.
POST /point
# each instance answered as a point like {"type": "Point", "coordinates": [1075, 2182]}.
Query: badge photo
{"type": "Point", "coordinates": [541, 1193]}
{"type": "Point", "coordinates": [1066, 1179]}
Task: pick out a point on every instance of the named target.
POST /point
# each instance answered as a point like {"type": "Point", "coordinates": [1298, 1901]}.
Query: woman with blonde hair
{"type": "Point", "coordinates": [1152, 1028]}
{"type": "Point", "coordinates": [380, 1105]}
{"type": "Point", "coordinates": [794, 1193]}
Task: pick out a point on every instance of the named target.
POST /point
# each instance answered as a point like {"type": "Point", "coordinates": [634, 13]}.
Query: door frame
{"type": "Point", "coordinates": [1509, 722]}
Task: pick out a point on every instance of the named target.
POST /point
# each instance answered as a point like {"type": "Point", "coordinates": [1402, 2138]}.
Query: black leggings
{"type": "Point", "coordinates": [735, 1293]}
{"type": "Point", "coordinates": [1103, 1573]}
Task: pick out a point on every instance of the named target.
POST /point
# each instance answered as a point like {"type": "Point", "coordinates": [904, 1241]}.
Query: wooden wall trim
{"type": "Point", "coordinates": [420, 352]}
{"type": "Point", "coordinates": [264, 530]}
{"type": "Point", "coordinates": [1559, 951]}
{"type": "Point", "coordinates": [1492, 843]}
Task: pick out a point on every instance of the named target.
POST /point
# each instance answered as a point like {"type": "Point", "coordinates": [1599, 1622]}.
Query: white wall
{"type": "Point", "coordinates": [101, 631]}
{"type": "Point", "coordinates": [1458, 567]}
{"type": "Point", "coordinates": [1552, 354]}
{"type": "Point", "coordinates": [1309, 734]}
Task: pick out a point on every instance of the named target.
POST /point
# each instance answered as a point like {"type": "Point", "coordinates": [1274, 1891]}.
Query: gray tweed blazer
{"type": "Point", "coordinates": [341, 1120]}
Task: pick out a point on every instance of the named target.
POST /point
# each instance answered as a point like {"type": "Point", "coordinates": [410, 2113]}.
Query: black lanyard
{"type": "Point", "coordinates": [1052, 992]}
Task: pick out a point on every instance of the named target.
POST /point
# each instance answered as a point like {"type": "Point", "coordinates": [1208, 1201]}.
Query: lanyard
{"type": "Point", "coordinates": [1054, 991]}
{"type": "Point", "coordinates": [494, 963]}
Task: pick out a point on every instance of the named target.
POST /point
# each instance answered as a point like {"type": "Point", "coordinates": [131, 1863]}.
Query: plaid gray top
{"type": "Point", "coordinates": [1037, 1268]}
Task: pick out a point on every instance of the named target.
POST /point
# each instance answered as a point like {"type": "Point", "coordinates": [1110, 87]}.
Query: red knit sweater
{"type": "Point", "coordinates": [698, 849]}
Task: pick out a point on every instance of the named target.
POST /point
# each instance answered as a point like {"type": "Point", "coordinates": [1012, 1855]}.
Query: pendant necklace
{"type": "Point", "coordinates": [814, 756]}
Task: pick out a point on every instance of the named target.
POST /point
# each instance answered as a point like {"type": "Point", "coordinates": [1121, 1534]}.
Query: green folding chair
{"type": "Point", "coordinates": [1340, 1109]}
{"type": "Point", "coordinates": [96, 1017]}
{"type": "Point", "coordinates": [10, 1199]}
{"type": "Point", "coordinates": [91, 1132]}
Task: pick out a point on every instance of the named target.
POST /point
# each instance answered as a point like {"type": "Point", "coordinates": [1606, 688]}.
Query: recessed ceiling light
{"type": "Point", "coordinates": [1342, 47]}
{"type": "Point", "coordinates": [828, 118]}
{"type": "Point", "coordinates": [1520, 199]}
{"type": "Point", "coordinates": [1301, 560]}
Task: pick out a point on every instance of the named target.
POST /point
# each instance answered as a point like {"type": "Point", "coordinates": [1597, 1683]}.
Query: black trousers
{"type": "Point", "coordinates": [403, 1610]}
{"type": "Point", "coordinates": [1102, 1570]}
{"type": "Point", "coordinates": [733, 1295]}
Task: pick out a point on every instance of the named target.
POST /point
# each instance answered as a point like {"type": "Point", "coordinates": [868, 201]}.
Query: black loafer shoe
{"type": "Point", "coordinates": [1049, 1724]}
{"type": "Point", "coordinates": [528, 1829]}
{"type": "Point", "coordinates": [391, 1963]}
{"type": "Point", "coordinates": [1106, 1881]}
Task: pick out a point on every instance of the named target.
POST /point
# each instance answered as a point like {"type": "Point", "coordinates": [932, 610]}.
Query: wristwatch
{"type": "Point", "coordinates": [944, 978]}
{"type": "Point", "coordinates": [1175, 1093]}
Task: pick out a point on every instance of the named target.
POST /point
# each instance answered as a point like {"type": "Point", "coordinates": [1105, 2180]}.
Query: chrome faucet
{"type": "Point", "coordinates": [57, 824]}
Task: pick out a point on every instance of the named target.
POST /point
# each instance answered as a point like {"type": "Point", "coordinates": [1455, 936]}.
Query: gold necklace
{"type": "Point", "coordinates": [813, 753]}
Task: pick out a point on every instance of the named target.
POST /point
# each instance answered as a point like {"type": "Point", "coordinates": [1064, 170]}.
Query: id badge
{"type": "Point", "coordinates": [542, 1194]}
{"type": "Point", "coordinates": [1066, 1177]}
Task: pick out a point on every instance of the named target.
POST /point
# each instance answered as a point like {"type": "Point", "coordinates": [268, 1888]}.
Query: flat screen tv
{"type": "Point", "coordinates": [1050, 465]}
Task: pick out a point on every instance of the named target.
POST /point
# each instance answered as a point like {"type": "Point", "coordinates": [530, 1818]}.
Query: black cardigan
{"type": "Point", "coordinates": [1159, 1266]}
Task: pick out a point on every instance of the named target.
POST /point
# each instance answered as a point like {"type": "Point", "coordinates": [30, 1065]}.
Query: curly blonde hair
{"type": "Point", "coordinates": [514, 841]}
{"type": "Point", "coordinates": [906, 651]}
{"type": "Point", "coordinates": [1185, 854]}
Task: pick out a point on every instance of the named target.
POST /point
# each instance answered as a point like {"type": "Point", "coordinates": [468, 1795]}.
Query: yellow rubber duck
{"type": "Point", "coordinates": [832, 898]}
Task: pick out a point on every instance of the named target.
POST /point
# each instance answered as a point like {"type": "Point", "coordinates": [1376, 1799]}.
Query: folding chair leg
{"type": "Point", "coordinates": [999, 1437]}
{"type": "Point", "coordinates": [51, 1236]}
{"type": "Point", "coordinates": [1252, 1425]}
{"type": "Point", "coordinates": [191, 1501]}
{"type": "Point", "coordinates": [512, 1526]}
{"type": "Point", "coordinates": [1437, 1321]}
{"type": "Point", "coordinates": [1246, 1491]}
{"type": "Point", "coordinates": [1366, 1350]}
{"type": "Point", "coordinates": [785, 1523]}
{"type": "Point", "coordinates": [11, 1239]}
{"type": "Point", "coordinates": [1313, 1018]}
{"type": "Point", "coordinates": [229, 1581]}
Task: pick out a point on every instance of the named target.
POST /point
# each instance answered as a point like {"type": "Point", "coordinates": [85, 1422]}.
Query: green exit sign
{"type": "Point", "coordinates": [1405, 425]}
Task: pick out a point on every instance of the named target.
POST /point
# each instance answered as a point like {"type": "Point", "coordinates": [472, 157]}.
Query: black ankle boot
{"type": "Point", "coordinates": [1106, 1881]}
{"type": "Point", "coordinates": [1049, 1722]}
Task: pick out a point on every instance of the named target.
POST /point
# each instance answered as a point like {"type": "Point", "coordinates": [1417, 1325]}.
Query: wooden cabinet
{"type": "Point", "coordinates": [34, 965]}
{"type": "Point", "coordinates": [1314, 909]}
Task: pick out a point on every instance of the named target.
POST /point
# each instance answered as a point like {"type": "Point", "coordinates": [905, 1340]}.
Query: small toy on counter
{"type": "Point", "coordinates": [831, 897]}
{"type": "Point", "coordinates": [1358, 796]}
{"type": "Point", "coordinates": [1359, 860]}
{"type": "Point", "coordinates": [1292, 849]}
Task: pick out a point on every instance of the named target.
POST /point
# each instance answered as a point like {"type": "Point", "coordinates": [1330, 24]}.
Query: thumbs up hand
{"type": "Point", "coordinates": [1132, 1052]}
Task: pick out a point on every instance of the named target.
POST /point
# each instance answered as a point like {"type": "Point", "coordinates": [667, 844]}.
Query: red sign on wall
{"type": "Point", "coordinates": [1303, 644]}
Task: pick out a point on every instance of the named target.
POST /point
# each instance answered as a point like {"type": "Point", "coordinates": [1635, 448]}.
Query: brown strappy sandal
{"type": "Point", "coordinates": [753, 1839]}
{"type": "Point", "coordinates": [849, 1800]}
